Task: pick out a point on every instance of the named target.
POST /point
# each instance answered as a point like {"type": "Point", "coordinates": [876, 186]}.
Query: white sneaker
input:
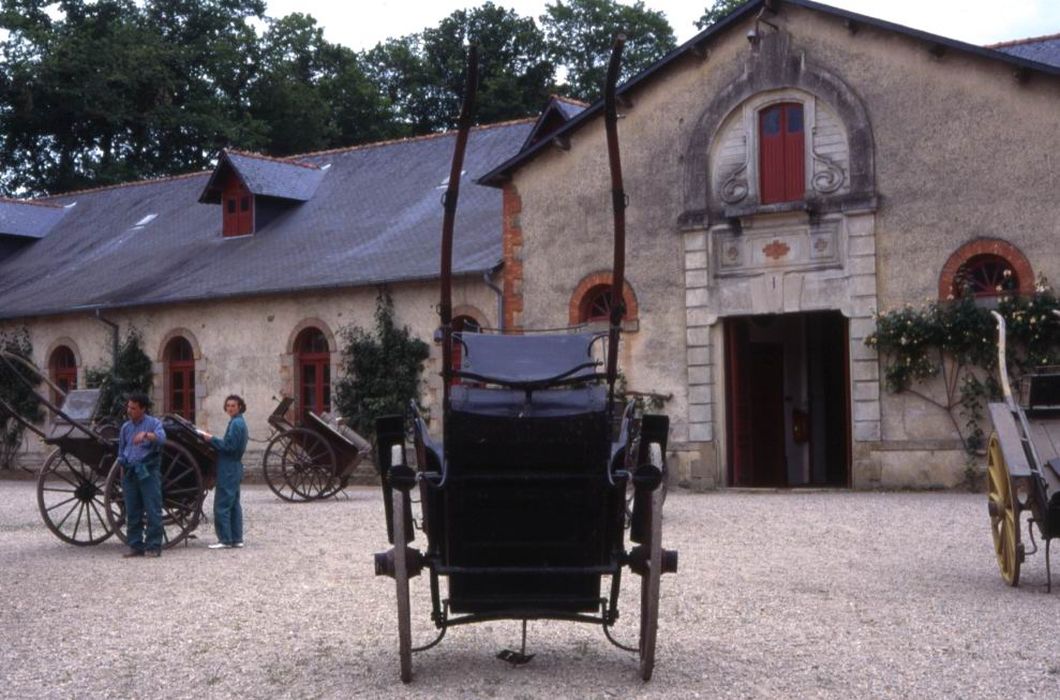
{"type": "Point", "coordinates": [238, 545]}
{"type": "Point", "coordinates": [219, 545]}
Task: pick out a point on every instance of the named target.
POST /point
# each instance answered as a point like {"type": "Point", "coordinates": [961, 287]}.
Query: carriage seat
{"type": "Point", "coordinates": [528, 361]}
{"type": "Point", "coordinates": [515, 403]}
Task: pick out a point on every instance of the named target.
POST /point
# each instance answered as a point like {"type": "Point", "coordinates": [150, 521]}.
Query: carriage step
{"type": "Point", "coordinates": [515, 658]}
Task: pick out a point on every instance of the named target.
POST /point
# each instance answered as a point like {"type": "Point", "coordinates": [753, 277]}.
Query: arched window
{"type": "Point", "coordinates": [591, 302]}
{"type": "Point", "coordinates": [595, 304]}
{"type": "Point", "coordinates": [62, 365]}
{"type": "Point", "coordinates": [180, 378]}
{"type": "Point", "coordinates": [986, 267]}
{"type": "Point", "coordinates": [781, 153]}
{"type": "Point", "coordinates": [313, 360]}
{"type": "Point", "coordinates": [462, 324]}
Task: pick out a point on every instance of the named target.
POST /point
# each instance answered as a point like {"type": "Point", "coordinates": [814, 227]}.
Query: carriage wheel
{"type": "Point", "coordinates": [401, 577]}
{"type": "Point", "coordinates": [649, 582]}
{"type": "Point", "coordinates": [1004, 514]}
{"type": "Point", "coordinates": [272, 468]}
{"type": "Point", "coordinates": [182, 496]}
{"type": "Point", "coordinates": [70, 499]}
{"type": "Point", "coordinates": [308, 464]}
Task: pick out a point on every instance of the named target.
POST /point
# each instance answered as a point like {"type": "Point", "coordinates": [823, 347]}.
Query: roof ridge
{"type": "Point", "coordinates": [410, 139]}
{"type": "Point", "coordinates": [1018, 42]}
{"type": "Point", "coordinates": [35, 203]}
{"type": "Point", "coordinates": [572, 100]}
{"type": "Point", "coordinates": [285, 160]}
{"type": "Point", "coordinates": [130, 183]}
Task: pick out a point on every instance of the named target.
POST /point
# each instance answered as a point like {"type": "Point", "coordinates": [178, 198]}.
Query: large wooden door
{"type": "Point", "coordinates": [756, 409]}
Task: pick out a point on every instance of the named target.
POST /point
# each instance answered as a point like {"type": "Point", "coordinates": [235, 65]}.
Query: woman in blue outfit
{"type": "Point", "coordinates": [227, 511]}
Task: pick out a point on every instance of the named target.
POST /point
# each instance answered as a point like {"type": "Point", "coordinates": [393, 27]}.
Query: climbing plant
{"type": "Point", "coordinates": [955, 341]}
{"type": "Point", "coordinates": [19, 396]}
{"type": "Point", "coordinates": [131, 373]}
{"type": "Point", "coordinates": [381, 370]}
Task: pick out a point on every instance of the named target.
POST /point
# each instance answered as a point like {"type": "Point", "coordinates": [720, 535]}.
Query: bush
{"type": "Point", "coordinates": [131, 373]}
{"type": "Point", "coordinates": [17, 394]}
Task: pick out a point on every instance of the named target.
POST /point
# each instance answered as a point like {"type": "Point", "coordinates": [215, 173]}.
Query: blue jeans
{"type": "Point", "coordinates": [227, 510]}
{"type": "Point", "coordinates": [143, 500]}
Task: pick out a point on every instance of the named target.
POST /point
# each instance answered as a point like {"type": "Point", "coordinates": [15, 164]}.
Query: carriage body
{"type": "Point", "coordinates": [313, 459]}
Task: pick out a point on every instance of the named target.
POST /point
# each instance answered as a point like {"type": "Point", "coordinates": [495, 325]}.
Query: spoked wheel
{"type": "Point", "coordinates": [649, 583]}
{"type": "Point", "coordinates": [1004, 514]}
{"type": "Point", "coordinates": [401, 578]}
{"type": "Point", "coordinates": [70, 499]}
{"type": "Point", "coordinates": [182, 496]}
{"type": "Point", "coordinates": [300, 465]}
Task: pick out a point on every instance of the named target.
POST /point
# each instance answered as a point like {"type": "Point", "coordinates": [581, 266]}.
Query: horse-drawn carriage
{"type": "Point", "coordinates": [1023, 464]}
{"type": "Point", "coordinates": [311, 460]}
{"type": "Point", "coordinates": [79, 487]}
{"type": "Point", "coordinates": [524, 500]}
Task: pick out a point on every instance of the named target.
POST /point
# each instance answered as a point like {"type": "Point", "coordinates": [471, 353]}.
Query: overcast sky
{"type": "Point", "coordinates": [361, 25]}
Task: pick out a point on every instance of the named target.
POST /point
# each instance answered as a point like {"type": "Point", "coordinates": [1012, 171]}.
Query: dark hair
{"type": "Point", "coordinates": [139, 398]}
{"type": "Point", "coordinates": [239, 400]}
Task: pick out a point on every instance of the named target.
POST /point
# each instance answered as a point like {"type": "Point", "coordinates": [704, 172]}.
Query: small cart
{"type": "Point", "coordinates": [1023, 465]}
{"type": "Point", "coordinates": [313, 460]}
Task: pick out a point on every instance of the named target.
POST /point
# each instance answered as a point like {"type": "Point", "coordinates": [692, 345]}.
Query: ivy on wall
{"type": "Point", "coordinates": [380, 370]}
{"type": "Point", "coordinates": [955, 342]}
{"type": "Point", "coordinates": [16, 394]}
{"type": "Point", "coordinates": [131, 373]}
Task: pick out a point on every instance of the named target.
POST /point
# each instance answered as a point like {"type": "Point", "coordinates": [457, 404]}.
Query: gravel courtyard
{"type": "Point", "coordinates": [794, 594]}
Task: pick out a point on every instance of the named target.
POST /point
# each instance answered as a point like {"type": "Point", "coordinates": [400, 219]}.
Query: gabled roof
{"type": "Point", "coordinates": [376, 218]}
{"type": "Point", "coordinates": [1041, 49]}
{"type": "Point", "coordinates": [264, 176]}
{"type": "Point", "coordinates": [696, 44]}
{"type": "Point", "coordinates": [28, 219]}
{"type": "Point", "coordinates": [557, 112]}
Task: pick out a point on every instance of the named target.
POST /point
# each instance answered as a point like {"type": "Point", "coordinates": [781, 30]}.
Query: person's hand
{"type": "Point", "coordinates": [138, 438]}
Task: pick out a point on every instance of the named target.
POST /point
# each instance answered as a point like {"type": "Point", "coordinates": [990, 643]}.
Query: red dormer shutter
{"type": "Point", "coordinates": [237, 203]}
{"type": "Point", "coordinates": [781, 153]}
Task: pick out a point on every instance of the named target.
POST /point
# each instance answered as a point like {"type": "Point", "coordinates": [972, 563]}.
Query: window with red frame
{"type": "Point", "coordinates": [313, 359]}
{"type": "Point", "coordinates": [238, 204]}
{"type": "Point", "coordinates": [985, 275]}
{"type": "Point", "coordinates": [781, 153]}
{"type": "Point", "coordinates": [595, 304]}
{"type": "Point", "coordinates": [180, 378]}
{"type": "Point", "coordinates": [63, 368]}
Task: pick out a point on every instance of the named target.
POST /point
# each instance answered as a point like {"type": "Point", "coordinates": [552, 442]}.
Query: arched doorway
{"type": "Point", "coordinates": [313, 362]}
{"type": "Point", "coordinates": [180, 378]}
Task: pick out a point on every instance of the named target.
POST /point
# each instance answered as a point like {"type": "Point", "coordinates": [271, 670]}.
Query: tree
{"type": "Point", "coordinates": [130, 373]}
{"type": "Point", "coordinates": [17, 394]}
{"type": "Point", "coordinates": [715, 12]}
{"type": "Point", "coordinates": [381, 371]}
{"type": "Point", "coordinates": [580, 33]}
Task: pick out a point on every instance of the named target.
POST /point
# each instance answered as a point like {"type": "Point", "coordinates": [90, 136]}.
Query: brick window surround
{"type": "Point", "coordinates": [986, 246]}
{"type": "Point", "coordinates": [589, 286]}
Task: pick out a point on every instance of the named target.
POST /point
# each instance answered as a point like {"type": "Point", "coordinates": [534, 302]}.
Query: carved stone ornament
{"type": "Point", "coordinates": [831, 178]}
{"type": "Point", "coordinates": [735, 187]}
{"type": "Point", "coordinates": [776, 250]}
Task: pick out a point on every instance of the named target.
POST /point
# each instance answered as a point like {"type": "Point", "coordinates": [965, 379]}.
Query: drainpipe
{"type": "Point", "coordinates": [113, 340]}
{"type": "Point", "coordinates": [487, 278]}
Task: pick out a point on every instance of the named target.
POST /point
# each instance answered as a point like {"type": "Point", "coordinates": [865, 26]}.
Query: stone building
{"type": "Point", "coordinates": [791, 170]}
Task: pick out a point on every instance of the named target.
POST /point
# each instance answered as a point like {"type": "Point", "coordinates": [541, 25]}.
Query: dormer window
{"type": "Point", "coordinates": [782, 154]}
{"type": "Point", "coordinates": [239, 208]}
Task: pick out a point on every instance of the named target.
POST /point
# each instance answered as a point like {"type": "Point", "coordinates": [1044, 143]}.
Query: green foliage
{"type": "Point", "coordinates": [956, 341]}
{"type": "Point", "coordinates": [715, 12]}
{"type": "Point", "coordinates": [130, 374]}
{"type": "Point", "coordinates": [580, 33]}
{"type": "Point", "coordinates": [20, 397]}
{"type": "Point", "coordinates": [380, 371]}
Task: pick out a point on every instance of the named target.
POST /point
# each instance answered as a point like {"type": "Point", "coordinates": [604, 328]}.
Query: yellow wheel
{"type": "Point", "coordinates": [1004, 514]}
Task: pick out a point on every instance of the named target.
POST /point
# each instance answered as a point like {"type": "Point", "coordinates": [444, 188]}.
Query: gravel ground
{"type": "Point", "coordinates": [794, 594]}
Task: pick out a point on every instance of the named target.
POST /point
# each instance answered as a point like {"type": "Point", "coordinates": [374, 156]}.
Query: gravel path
{"type": "Point", "coordinates": [798, 594]}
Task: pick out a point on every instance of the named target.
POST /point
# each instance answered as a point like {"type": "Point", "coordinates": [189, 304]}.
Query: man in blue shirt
{"type": "Point", "coordinates": [139, 452]}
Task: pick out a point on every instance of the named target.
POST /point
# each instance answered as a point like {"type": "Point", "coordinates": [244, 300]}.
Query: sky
{"type": "Point", "coordinates": [361, 25]}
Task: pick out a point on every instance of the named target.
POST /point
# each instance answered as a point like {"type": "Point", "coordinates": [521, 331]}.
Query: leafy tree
{"type": "Point", "coordinates": [381, 370]}
{"type": "Point", "coordinates": [580, 33]}
{"type": "Point", "coordinates": [715, 12]}
{"type": "Point", "coordinates": [20, 397]}
{"type": "Point", "coordinates": [131, 373]}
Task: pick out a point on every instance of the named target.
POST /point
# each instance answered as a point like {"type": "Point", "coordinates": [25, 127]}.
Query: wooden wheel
{"type": "Point", "coordinates": [307, 464]}
{"type": "Point", "coordinates": [272, 468]}
{"type": "Point", "coordinates": [1004, 514]}
{"type": "Point", "coordinates": [401, 578]}
{"type": "Point", "coordinates": [70, 499]}
{"type": "Point", "coordinates": [649, 582]}
{"type": "Point", "coordinates": [182, 496]}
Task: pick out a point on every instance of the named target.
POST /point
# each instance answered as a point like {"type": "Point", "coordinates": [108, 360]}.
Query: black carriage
{"type": "Point", "coordinates": [312, 460]}
{"type": "Point", "coordinates": [79, 487]}
{"type": "Point", "coordinates": [1023, 465]}
{"type": "Point", "coordinates": [524, 500]}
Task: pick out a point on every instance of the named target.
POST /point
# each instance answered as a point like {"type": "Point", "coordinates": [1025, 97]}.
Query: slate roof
{"type": "Point", "coordinates": [28, 219]}
{"type": "Point", "coordinates": [557, 112]}
{"type": "Point", "coordinates": [266, 177]}
{"type": "Point", "coordinates": [1041, 49]}
{"type": "Point", "coordinates": [500, 174]}
{"type": "Point", "coordinates": [375, 217]}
